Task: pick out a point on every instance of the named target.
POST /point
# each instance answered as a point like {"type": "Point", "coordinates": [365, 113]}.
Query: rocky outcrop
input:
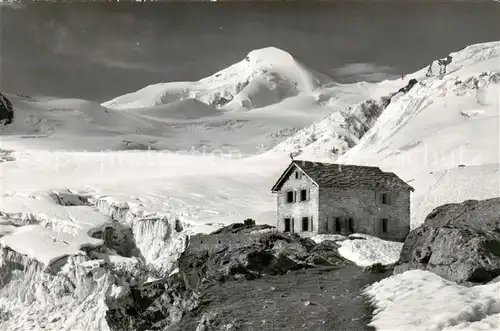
{"type": "Point", "coordinates": [151, 306]}
{"type": "Point", "coordinates": [403, 90]}
{"type": "Point", "coordinates": [236, 254]}
{"type": "Point", "coordinates": [249, 252]}
{"type": "Point", "coordinates": [6, 110]}
{"type": "Point", "coordinates": [459, 242]}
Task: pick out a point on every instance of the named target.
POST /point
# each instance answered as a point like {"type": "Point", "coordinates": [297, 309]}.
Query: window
{"type": "Point", "coordinates": [383, 225]}
{"type": "Point", "coordinates": [385, 199]}
{"type": "Point", "coordinates": [305, 223]}
{"type": "Point", "coordinates": [304, 196]}
{"type": "Point", "coordinates": [338, 227]}
{"type": "Point", "coordinates": [288, 224]}
{"type": "Point", "coordinates": [298, 174]}
{"type": "Point", "coordinates": [289, 196]}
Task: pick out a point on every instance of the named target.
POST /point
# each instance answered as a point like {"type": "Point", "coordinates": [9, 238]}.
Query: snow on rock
{"type": "Point", "coordinates": [336, 133]}
{"type": "Point", "coordinates": [318, 238]}
{"type": "Point", "coordinates": [370, 250]}
{"type": "Point", "coordinates": [422, 301]}
{"type": "Point", "coordinates": [266, 76]}
{"type": "Point", "coordinates": [364, 250]}
{"type": "Point", "coordinates": [55, 231]}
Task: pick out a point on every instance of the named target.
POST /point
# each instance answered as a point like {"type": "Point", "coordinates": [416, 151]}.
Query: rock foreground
{"type": "Point", "coordinates": [246, 277]}
{"type": "Point", "coordinates": [459, 242]}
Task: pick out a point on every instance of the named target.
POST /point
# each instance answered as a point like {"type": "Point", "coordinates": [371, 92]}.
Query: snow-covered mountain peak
{"type": "Point", "coordinates": [266, 76]}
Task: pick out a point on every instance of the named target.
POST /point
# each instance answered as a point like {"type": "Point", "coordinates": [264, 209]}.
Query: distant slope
{"type": "Point", "coordinates": [204, 116]}
{"type": "Point", "coordinates": [477, 63]}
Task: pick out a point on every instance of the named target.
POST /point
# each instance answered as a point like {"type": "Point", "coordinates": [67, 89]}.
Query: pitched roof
{"type": "Point", "coordinates": [345, 176]}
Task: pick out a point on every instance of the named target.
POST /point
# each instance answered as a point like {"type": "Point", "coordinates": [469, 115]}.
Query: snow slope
{"type": "Point", "coordinates": [425, 134]}
{"type": "Point", "coordinates": [204, 116]}
{"type": "Point", "coordinates": [173, 159]}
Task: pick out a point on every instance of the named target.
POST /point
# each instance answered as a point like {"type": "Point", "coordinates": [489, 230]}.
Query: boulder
{"type": "Point", "coordinates": [6, 110]}
{"type": "Point", "coordinates": [459, 242]}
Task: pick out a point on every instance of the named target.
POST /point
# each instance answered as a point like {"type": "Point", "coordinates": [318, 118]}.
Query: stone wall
{"type": "Point", "coordinates": [298, 209]}
{"type": "Point", "coordinates": [366, 210]}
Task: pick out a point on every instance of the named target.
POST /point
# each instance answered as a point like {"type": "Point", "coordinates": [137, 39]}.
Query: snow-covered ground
{"type": "Point", "coordinates": [422, 301]}
{"type": "Point", "coordinates": [154, 166]}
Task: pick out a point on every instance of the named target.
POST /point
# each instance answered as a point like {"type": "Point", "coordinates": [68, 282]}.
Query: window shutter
{"type": "Point", "coordinates": [311, 225]}
{"type": "Point", "coordinates": [308, 195]}
{"type": "Point", "coordinates": [294, 196]}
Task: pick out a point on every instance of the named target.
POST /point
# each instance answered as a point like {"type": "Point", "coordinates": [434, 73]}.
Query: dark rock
{"type": "Point", "coordinates": [354, 237]}
{"type": "Point", "coordinates": [459, 242]}
{"type": "Point", "coordinates": [376, 268]}
{"type": "Point", "coordinates": [408, 87]}
{"type": "Point", "coordinates": [326, 253]}
{"type": "Point", "coordinates": [220, 102]}
{"type": "Point", "coordinates": [6, 110]}
{"type": "Point", "coordinates": [241, 228]}
{"type": "Point", "coordinates": [151, 306]}
{"type": "Point", "coordinates": [178, 225]}
{"type": "Point", "coordinates": [249, 221]}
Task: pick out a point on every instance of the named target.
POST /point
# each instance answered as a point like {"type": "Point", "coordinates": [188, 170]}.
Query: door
{"type": "Point", "coordinates": [288, 225]}
{"type": "Point", "coordinates": [383, 225]}
{"type": "Point", "coordinates": [350, 225]}
{"type": "Point", "coordinates": [338, 225]}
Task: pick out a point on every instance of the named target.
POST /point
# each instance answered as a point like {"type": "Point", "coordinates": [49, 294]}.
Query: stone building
{"type": "Point", "coordinates": [342, 199]}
